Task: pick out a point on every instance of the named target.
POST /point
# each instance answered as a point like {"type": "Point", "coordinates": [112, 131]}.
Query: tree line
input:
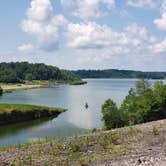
{"type": "Point", "coordinates": [144, 103]}
{"type": "Point", "coordinates": [113, 73]}
{"type": "Point", "coordinates": [16, 72]}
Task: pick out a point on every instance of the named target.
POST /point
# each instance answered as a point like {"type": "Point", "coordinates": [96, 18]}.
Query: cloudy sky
{"type": "Point", "coordinates": [85, 34]}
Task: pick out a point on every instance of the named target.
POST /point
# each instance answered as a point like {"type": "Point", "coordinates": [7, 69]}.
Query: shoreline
{"type": "Point", "coordinates": [135, 145]}
{"type": "Point", "coordinates": [9, 88]}
{"type": "Point", "coordinates": [14, 87]}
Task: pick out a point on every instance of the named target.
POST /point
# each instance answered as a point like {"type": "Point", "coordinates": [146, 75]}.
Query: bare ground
{"type": "Point", "coordinates": [138, 145]}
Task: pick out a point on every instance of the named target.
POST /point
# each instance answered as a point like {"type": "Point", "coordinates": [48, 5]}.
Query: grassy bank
{"type": "Point", "coordinates": [141, 144]}
{"type": "Point", "coordinates": [78, 82]}
{"type": "Point", "coordinates": [13, 113]}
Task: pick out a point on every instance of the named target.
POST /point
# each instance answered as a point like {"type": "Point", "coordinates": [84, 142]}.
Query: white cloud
{"type": "Point", "coordinates": [160, 47]}
{"type": "Point", "coordinates": [40, 10]}
{"type": "Point", "coordinates": [43, 24]}
{"type": "Point", "coordinates": [100, 43]}
{"type": "Point", "coordinates": [161, 22]}
{"type": "Point", "coordinates": [143, 3]}
{"type": "Point", "coordinates": [87, 9]}
{"type": "Point", "coordinates": [94, 36]}
{"type": "Point", "coordinates": [26, 47]}
{"type": "Point", "coordinates": [139, 32]}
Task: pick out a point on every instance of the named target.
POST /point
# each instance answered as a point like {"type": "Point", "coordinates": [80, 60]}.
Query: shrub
{"type": "Point", "coordinates": [94, 130]}
{"type": "Point", "coordinates": [111, 115]}
{"type": "Point", "coordinates": [103, 143]}
{"type": "Point", "coordinates": [142, 104]}
{"type": "Point", "coordinates": [155, 130]}
{"type": "Point", "coordinates": [114, 138]}
{"type": "Point", "coordinates": [75, 147]}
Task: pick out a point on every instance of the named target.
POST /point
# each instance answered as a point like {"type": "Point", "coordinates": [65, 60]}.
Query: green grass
{"type": "Point", "coordinates": [24, 108]}
{"type": "Point", "coordinates": [12, 90]}
{"type": "Point", "coordinates": [14, 113]}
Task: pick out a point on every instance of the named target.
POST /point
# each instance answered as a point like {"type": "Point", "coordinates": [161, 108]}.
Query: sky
{"type": "Point", "coordinates": [85, 34]}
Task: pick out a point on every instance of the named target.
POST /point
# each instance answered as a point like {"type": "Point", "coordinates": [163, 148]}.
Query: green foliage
{"type": "Point", "coordinates": [155, 130]}
{"type": "Point", "coordinates": [113, 73]}
{"type": "Point", "coordinates": [114, 138]}
{"type": "Point", "coordinates": [103, 143]}
{"type": "Point", "coordinates": [142, 104]}
{"type": "Point", "coordinates": [59, 147]}
{"type": "Point", "coordinates": [25, 108]}
{"type": "Point", "coordinates": [142, 86]}
{"type": "Point", "coordinates": [111, 115]}
{"type": "Point", "coordinates": [94, 130]}
{"type": "Point", "coordinates": [75, 147]}
{"type": "Point", "coordinates": [29, 77]}
{"type": "Point", "coordinates": [13, 113]}
{"type": "Point", "coordinates": [19, 71]}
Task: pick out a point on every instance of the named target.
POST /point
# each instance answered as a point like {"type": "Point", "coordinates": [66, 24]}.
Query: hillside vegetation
{"type": "Point", "coordinates": [113, 73]}
{"type": "Point", "coordinates": [16, 72]}
{"type": "Point", "coordinates": [143, 103]}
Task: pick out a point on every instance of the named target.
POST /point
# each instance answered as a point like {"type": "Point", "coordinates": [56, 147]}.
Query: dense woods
{"type": "Point", "coordinates": [142, 104]}
{"type": "Point", "coordinates": [16, 72]}
{"type": "Point", "coordinates": [113, 73]}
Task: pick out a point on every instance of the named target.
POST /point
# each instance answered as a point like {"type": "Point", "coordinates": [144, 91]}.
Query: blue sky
{"type": "Point", "coordinates": [85, 34]}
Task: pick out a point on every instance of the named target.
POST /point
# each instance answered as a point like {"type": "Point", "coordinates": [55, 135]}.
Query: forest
{"type": "Point", "coordinates": [17, 72]}
{"type": "Point", "coordinates": [114, 73]}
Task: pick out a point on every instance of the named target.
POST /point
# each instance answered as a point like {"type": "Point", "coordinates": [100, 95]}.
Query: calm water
{"type": "Point", "coordinates": [75, 120]}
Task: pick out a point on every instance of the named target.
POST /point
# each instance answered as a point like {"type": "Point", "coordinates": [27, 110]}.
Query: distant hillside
{"type": "Point", "coordinates": [113, 73]}
{"type": "Point", "coordinates": [16, 72]}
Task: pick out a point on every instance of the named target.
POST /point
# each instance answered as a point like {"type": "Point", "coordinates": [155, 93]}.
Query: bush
{"type": "Point", "coordinates": [143, 104]}
{"type": "Point", "coordinates": [111, 115]}
{"type": "Point", "coordinates": [75, 147]}
{"type": "Point", "coordinates": [104, 144]}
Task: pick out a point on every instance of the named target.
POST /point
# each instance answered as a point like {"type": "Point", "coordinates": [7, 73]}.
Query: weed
{"type": "Point", "coordinates": [104, 144]}
{"type": "Point", "coordinates": [75, 147]}
{"type": "Point", "coordinates": [94, 130]}
{"type": "Point", "coordinates": [114, 138]}
{"type": "Point", "coordinates": [59, 146]}
{"type": "Point", "coordinates": [155, 130]}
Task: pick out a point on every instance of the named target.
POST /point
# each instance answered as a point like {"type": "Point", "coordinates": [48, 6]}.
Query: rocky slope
{"type": "Point", "coordinates": [138, 145]}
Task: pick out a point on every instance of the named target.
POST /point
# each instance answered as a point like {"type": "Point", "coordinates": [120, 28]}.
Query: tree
{"type": "Point", "coordinates": [142, 104]}
{"type": "Point", "coordinates": [29, 77]}
{"type": "Point", "coordinates": [111, 115]}
{"type": "Point", "coordinates": [16, 72]}
{"type": "Point", "coordinates": [142, 86]}
{"type": "Point", "coordinates": [158, 110]}
{"type": "Point", "coordinates": [128, 107]}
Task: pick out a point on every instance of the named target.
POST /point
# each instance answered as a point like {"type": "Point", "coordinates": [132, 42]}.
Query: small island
{"type": "Point", "coordinates": [13, 113]}
{"type": "Point", "coordinates": [78, 82]}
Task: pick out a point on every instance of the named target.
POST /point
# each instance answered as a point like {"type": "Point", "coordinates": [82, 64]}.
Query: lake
{"type": "Point", "coordinates": [76, 120]}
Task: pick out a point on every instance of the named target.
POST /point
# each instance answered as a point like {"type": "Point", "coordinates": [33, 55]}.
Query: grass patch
{"type": "Point", "coordinates": [12, 113]}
